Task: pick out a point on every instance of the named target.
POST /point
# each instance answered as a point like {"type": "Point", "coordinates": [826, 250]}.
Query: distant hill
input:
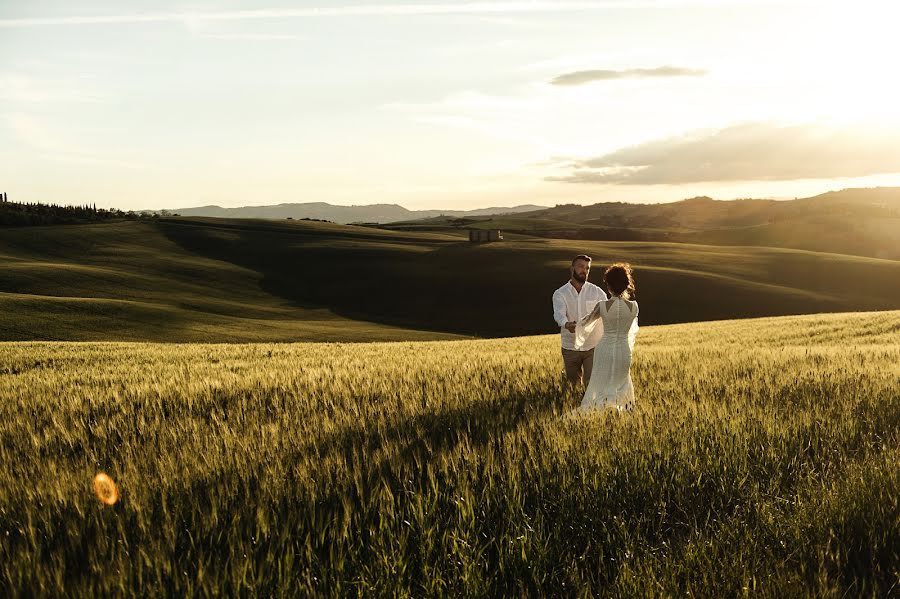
{"type": "Point", "coordinates": [373, 213]}
{"type": "Point", "coordinates": [862, 222]}
{"type": "Point", "coordinates": [216, 280]}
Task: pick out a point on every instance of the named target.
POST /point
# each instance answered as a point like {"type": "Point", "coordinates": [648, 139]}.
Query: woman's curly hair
{"type": "Point", "coordinates": [619, 280]}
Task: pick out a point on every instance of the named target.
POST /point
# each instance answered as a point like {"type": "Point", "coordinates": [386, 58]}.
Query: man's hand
{"type": "Point", "coordinates": [571, 326]}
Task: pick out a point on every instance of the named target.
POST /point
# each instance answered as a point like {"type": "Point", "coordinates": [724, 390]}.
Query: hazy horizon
{"type": "Point", "coordinates": [482, 207]}
{"type": "Point", "coordinates": [454, 106]}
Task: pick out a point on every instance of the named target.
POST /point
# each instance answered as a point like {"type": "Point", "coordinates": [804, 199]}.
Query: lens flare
{"type": "Point", "coordinates": [105, 488]}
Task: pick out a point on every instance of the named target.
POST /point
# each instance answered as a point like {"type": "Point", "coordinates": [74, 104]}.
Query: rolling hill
{"type": "Point", "coordinates": [370, 213]}
{"type": "Point", "coordinates": [127, 281]}
{"type": "Point", "coordinates": [863, 222]}
{"type": "Point", "coordinates": [204, 279]}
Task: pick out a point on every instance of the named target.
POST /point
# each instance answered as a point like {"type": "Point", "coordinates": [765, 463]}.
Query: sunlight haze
{"type": "Point", "coordinates": [150, 105]}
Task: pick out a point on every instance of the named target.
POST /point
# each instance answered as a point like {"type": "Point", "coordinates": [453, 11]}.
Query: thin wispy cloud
{"type": "Point", "coordinates": [434, 93]}
{"type": "Point", "coordinates": [747, 152]}
{"type": "Point", "coordinates": [587, 76]}
{"type": "Point", "coordinates": [263, 37]}
{"type": "Point", "coordinates": [339, 11]}
{"type": "Point", "coordinates": [420, 9]}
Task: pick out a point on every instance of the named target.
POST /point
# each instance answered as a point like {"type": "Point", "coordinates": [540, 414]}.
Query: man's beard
{"type": "Point", "coordinates": [580, 278]}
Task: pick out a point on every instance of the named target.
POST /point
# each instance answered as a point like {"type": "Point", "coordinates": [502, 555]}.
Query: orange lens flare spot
{"type": "Point", "coordinates": [105, 488]}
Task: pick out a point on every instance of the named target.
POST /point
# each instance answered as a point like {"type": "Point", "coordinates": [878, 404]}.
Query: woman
{"type": "Point", "coordinates": [610, 384]}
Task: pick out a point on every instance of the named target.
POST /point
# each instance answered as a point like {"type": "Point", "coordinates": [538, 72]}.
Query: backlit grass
{"type": "Point", "coordinates": [762, 457]}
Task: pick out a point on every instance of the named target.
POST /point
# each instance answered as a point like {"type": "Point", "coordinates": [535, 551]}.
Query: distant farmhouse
{"type": "Point", "coordinates": [482, 235]}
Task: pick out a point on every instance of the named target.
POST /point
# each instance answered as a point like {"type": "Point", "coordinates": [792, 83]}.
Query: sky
{"type": "Point", "coordinates": [456, 105]}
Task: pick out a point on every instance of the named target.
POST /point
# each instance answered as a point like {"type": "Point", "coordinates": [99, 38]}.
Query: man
{"type": "Point", "coordinates": [572, 302]}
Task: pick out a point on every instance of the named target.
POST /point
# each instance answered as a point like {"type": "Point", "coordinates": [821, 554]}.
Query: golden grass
{"type": "Point", "coordinates": [762, 456]}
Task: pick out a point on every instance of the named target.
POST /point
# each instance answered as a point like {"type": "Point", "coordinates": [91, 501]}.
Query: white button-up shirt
{"type": "Point", "coordinates": [570, 305]}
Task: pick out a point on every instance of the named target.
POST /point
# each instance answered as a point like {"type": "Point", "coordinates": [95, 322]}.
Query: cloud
{"type": "Point", "coordinates": [747, 152]}
{"type": "Point", "coordinates": [330, 11]}
{"type": "Point", "coordinates": [581, 77]}
{"type": "Point", "coordinates": [262, 37]}
{"type": "Point", "coordinates": [365, 10]}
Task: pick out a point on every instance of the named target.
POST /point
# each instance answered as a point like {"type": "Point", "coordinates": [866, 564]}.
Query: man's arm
{"type": "Point", "coordinates": [559, 309]}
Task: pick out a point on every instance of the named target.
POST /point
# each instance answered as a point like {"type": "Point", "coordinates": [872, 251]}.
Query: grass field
{"type": "Point", "coordinates": [503, 289]}
{"type": "Point", "coordinates": [215, 280]}
{"type": "Point", "coordinates": [126, 281]}
{"type": "Point", "coordinates": [861, 222]}
{"type": "Point", "coordinates": [762, 459]}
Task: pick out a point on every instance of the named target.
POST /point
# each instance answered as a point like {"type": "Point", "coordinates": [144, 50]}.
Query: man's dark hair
{"type": "Point", "coordinates": [580, 257]}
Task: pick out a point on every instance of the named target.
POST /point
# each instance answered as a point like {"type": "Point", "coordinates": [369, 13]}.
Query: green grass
{"type": "Point", "coordinates": [864, 222]}
{"type": "Point", "coordinates": [215, 280]}
{"type": "Point", "coordinates": [762, 459]}
{"type": "Point", "coordinates": [126, 281]}
{"type": "Point", "coordinates": [503, 288]}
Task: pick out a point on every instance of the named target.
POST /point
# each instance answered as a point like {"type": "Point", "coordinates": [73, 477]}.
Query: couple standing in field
{"type": "Point", "coordinates": [598, 333]}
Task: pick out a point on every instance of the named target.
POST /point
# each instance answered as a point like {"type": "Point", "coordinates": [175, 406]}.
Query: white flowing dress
{"type": "Point", "coordinates": [610, 384]}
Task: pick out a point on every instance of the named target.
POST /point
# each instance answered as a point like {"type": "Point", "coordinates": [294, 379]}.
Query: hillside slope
{"type": "Point", "coordinates": [862, 222]}
{"type": "Point", "coordinates": [504, 289]}
{"type": "Point", "coordinates": [127, 281]}
{"type": "Point", "coordinates": [226, 280]}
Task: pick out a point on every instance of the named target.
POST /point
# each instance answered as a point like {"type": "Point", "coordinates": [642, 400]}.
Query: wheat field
{"type": "Point", "coordinates": [761, 459]}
